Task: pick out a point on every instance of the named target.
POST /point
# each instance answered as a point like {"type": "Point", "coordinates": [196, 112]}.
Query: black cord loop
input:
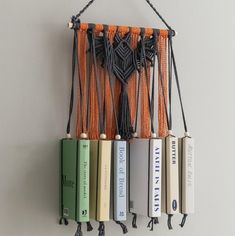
{"type": "Point", "coordinates": [184, 220]}
{"type": "Point", "coordinates": [124, 228]}
{"type": "Point", "coordinates": [134, 225]}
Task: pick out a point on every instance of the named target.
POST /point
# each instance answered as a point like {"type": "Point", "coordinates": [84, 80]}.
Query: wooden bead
{"type": "Point", "coordinates": [69, 136]}
{"type": "Point", "coordinates": [83, 136]}
{"type": "Point", "coordinates": [103, 136]}
{"type": "Point", "coordinates": [153, 135]}
{"type": "Point", "coordinates": [170, 132]}
{"type": "Point", "coordinates": [118, 137]}
{"type": "Point", "coordinates": [135, 135]}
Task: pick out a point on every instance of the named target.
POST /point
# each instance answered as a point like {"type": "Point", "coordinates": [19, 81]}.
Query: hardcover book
{"type": "Point", "coordinates": [120, 180]}
{"type": "Point", "coordinates": [68, 178]}
{"type": "Point", "coordinates": [83, 180]}
{"type": "Point", "coordinates": [172, 175]}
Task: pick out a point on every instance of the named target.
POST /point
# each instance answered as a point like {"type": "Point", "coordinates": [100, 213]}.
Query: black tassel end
{"type": "Point", "coordinates": [101, 229]}
{"type": "Point", "coordinates": [63, 221]}
{"type": "Point", "coordinates": [152, 222]}
{"type": "Point", "coordinates": [134, 225]}
{"type": "Point", "coordinates": [124, 121]}
{"type": "Point", "coordinates": [169, 222]}
{"type": "Point", "coordinates": [79, 229]}
{"type": "Point", "coordinates": [89, 226]}
{"type": "Point", "coordinates": [124, 228]}
{"type": "Point", "coordinates": [183, 220]}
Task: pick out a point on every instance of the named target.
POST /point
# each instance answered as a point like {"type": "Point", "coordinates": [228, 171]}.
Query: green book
{"type": "Point", "coordinates": [68, 178]}
{"type": "Point", "coordinates": [83, 165]}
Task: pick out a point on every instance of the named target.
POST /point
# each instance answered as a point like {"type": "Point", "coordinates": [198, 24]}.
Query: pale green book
{"type": "Point", "coordinates": [83, 165]}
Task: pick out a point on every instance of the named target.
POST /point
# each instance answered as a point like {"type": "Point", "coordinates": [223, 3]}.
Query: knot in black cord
{"type": "Point", "coordinates": [101, 229]}
{"type": "Point", "coordinates": [124, 228]}
{"type": "Point", "coordinates": [152, 222]}
{"type": "Point", "coordinates": [183, 220]}
{"type": "Point", "coordinates": [79, 229]}
{"type": "Point", "coordinates": [169, 222]}
{"type": "Point", "coordinates": [134, 225]}
{"type": "Point", "coordinates": [89, 227]}
{"type": "Point", "coordinates": [63, 221]}
{"type": "Point", "coordinates": [76, 22]}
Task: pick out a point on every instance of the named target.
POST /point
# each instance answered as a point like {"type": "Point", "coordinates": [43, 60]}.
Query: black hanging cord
{"type": "Point", "coordinates": [79, 229]}
{"type": "Point", "coordinates": [134, 220]}
{"type": "Point", "coordinates": [149, 3]}
{"type": "Point", "coordinates": [159, 15]}
{"type": "Point", "coordinates": [183, 220]}
{"type": "Point", "coordinates": [152, 222]}
{"type": "Point", "coordinates": [169, 223]}
{"type": "Point", "coordinates": [89, 226]}
{"type": "Point", "coordinates": [178, 84]}
{"type": "Point", "coordinates": [63, 221]}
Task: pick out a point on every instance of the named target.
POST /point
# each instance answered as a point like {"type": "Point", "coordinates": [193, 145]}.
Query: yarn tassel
{"type": "Point", "coordinates": [169, 222]}
{"type": "Point", "coordinates": [101, 229]}
{"type": "Point", "coordinates": [63, 221]}
{"type": "Point", "coordinates": [183, 220]}
{"type": "Point", "coordinates": [89, 226]}
{"type": "Point", "coordinates": [124, 228]}
{"type": "Point", "coordinates": [125, 127]}
{"type": "Point", "coordinates": [134, 225]}
{"type": "Point", "coordinates": [79, 229]}
{"type": "Point", "coordinates": [152, 222]}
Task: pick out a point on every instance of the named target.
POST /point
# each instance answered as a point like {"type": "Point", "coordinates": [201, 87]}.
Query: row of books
{"type": "Point", "coordinates": [103, 180]}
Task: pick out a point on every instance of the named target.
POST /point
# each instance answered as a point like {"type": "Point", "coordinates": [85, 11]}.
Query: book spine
{"type": "Point", "coordinates": [83, 181]}
{"type": "Point", "coordinates": [120, 180]}
{"type": "Point", "coordinates": [155, 157]}
{"type": "Point", "coordinates": [68, 178]}
{"type": "Point", "coordinates": [94, 150]}
{"type": "Point", "coordinates": [104, 176]}
{"type": "Point", "coordinates": [172, 175]}
{"type": "Point", "coordinates": [187, 175]}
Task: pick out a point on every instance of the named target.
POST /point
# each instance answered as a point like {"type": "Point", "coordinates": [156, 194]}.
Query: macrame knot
{"type": "Point", "coordinates": [134, 225]}
{"type": "Point", "coordinates": [89, 227]}
{"type": "Point", "coordinates": [183, 220]}
{"type": "Point", "coordinates": [101, 229]}
{"type": "Point", "coordinates": [124, 228]}
{"type": "Point", "coordinates": [63, 221]}
{"type": "Point", "coordinates": [152, 222]}
{"type": "Point", "coordinates": [79, 229]}
{"type": "Point", "coordinates": [169, 222]}
{"type": "Point", "coordinates": [76, 22]}
{"type": "Point", "coordinates": [125, 127]}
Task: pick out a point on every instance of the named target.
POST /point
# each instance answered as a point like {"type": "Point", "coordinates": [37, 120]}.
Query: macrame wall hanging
{"type": "Point", "coordinates": [125, 158]}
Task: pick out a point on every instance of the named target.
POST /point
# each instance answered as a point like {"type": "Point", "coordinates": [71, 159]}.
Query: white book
{"type": "Point", "coordinates": [145, 177]}
{"type": "Point", "coordinates": [155, 161]}
{"type": "Point", "coordinates": [139, 166]}
{"type": "Point", "coordinates": [120, 180]}
{"type": "Point", "coordinates": [187, 175]}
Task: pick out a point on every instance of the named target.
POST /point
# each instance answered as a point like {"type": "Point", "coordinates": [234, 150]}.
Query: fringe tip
{"type": "Point", "coordinates": [79, 229]}
{"type": "Point", "coordinates": [101, 229]}
{"type": "Point", "coordinates": [63, 221]}
{"type": "Point", "coordinates": [169, 222]}
{"type": "Point", "coordinates": [134, 225]}
{"type": "Point", "coordinates": [152, 222]}
{"type": "Point", "coordinates": [124, 228]}
{"type": "Point", "coordinates": [183, 220]}
{"type": "Point", "coordinates": [89, 226]}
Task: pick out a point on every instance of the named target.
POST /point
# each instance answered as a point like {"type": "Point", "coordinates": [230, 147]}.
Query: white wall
{"type": "Point", "coordinates": [35, 62]}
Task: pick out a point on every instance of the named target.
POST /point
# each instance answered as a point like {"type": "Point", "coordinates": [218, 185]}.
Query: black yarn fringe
{"type": "Point", "coordinates": [134, 225]}
{"type": "Point", "coordinates": [183, 220]}
{"type": "Point", "coordinates": [152, 222]}
{"type": "Point", "coordinates": [124, 121]}
{"type": "Point", "coordinates": [101, 229]}
{"type": "Point", "coordinates": [79, 229]}
{"type": "Point", "coordinates": [89, 227]}
{"type": "Point", "coordinates": [63, 221]}
{"type": "Point", "coordinates": [169, 222]}
{"type": "Point", "coordinates": [124, 228]}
